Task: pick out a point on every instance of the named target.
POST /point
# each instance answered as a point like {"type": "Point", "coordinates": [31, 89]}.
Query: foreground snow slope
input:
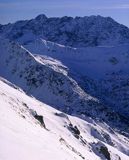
{"type": "Point", "coordinates": [23, 137]}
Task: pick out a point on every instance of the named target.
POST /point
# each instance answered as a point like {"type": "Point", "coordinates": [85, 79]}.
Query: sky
{"type": "Point", "coordinates": [13, 10]}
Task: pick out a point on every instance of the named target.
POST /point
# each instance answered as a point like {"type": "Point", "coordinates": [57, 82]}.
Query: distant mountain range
{"type": "Point", "coordinates": [75, 32]}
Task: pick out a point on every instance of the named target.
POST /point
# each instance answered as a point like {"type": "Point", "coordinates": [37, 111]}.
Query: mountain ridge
{"type": "Point", "coordinates": [76, 32]}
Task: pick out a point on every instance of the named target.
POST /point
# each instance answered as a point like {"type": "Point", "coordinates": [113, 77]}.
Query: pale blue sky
{"type": "Point", "coordinates": [13, 10]}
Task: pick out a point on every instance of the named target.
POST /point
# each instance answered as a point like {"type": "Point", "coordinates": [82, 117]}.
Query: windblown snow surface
{"type": "Point", "coordinates": [23, 137]}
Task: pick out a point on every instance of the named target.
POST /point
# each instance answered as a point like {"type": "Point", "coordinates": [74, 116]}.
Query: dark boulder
{"type": "Point", "coordinates": [40, 119]}
{"type": "Point", "coordinates": [74, 130]}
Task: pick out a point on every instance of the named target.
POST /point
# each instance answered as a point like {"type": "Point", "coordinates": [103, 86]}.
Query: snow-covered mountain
{"type": "Point", "coordinates": [55, 135]}
{"type": "Point", "coordinates": [47, 80]}
{"type": "Point", "coordinates": [77, 32]}
{"type": "Point", "coordinates": [80, 90]}
{"type": "Point", "coordinates": [100, 71]}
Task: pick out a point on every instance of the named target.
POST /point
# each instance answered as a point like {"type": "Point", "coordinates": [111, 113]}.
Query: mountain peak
{"type": "Point", "coordinates": [41, 17]}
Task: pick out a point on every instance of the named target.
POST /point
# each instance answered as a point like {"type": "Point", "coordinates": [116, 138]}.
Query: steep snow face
{"type": "Point", "coordinates": [44, 79]}
{"type": "Point", "coordinates": [77, 32]}
{"type": "Point", "coordinates": [100, 71]}
{"type": "Point", "coordinates": [61, 137]}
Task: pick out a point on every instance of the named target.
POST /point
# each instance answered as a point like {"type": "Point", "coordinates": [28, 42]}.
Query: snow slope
{"type": "Point", "coordinates": [23, 137]}
{"type": "Point", "coordinates": [46, 81]}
